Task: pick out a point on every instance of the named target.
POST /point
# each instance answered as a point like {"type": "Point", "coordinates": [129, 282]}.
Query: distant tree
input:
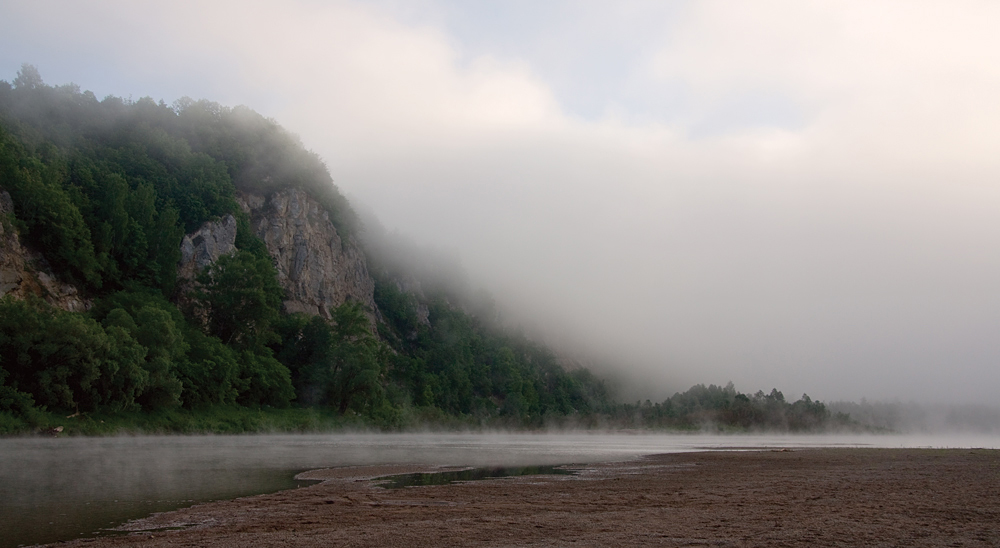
{"type": "Point", "coordinates": [28, 77]}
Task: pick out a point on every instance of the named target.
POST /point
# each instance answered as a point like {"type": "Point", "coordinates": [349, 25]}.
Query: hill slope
{"type": "Point", "coordinates": [212, 261]}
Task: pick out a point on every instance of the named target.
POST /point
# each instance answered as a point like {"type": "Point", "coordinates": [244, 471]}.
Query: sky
{"type": "Point", "coordinates": [794, 194]}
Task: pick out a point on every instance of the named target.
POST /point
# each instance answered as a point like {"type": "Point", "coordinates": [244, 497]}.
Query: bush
{"type": "Point", "coordinates": [68, 361]}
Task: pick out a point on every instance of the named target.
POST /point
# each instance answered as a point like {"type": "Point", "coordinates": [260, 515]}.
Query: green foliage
{"type": "Point", "coordinates": [210, 374]}
{"type": "Point", "coordinates": [267, 381]}
{"type": "Point", "coordinates": [716, 407]}
{"type": "Point", "coordinates": [155, 330]}
{"type": "Point", "coordinates": [338, 363]}
{"type": "Point", "coordinates": [103, 186]}
{"type": "Point", "coordinates": [353, 362]}
{"type": "Point", "coordinates": [241, 298]}
{"type": "Point", "coordinates": [398, 308]}
{"type": "Point", "coordinates": [28, 77]}
{"type": "Point", "coordinates": [50, 219]}
{"type": "Point", "coordinates": [13, 402]}
{"type": "Point", "coordinates": [455, 363]}
{"type": "Point", "coordinates": [68, 361]}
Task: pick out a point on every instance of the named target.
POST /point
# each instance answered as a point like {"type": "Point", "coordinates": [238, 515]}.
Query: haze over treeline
{"type": "Point", "coordinates": [99, 194]}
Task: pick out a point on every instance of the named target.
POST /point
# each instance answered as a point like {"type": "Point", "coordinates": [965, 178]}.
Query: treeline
{"type": "Point", "coordinates": [718, 408]}
{"type": "Point", "coordinates": [107, 188]}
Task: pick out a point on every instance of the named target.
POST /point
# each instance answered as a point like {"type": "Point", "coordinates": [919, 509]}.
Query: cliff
{"type": "Point", "coordinates": [318, 269]}
{"type": "Point", "coordinates": [202, 247]}
{"type": "Point", "coordinates": [24, 271]}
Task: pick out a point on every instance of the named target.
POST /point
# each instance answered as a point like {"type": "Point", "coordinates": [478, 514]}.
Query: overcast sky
{"type": "Point", "coordinates": [801, 195]}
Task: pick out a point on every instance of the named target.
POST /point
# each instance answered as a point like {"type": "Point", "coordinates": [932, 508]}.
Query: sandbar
{"type": "Point", "coordinates": [805, 497]}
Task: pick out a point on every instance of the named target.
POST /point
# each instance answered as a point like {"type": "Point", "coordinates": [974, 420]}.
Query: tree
{"type": "Point", "coordinates": [241, 296]}
{"type": "Point", "coordinates": [355, 359]}
{"type": "Point", "coordinates": [155, 330]}
{"type": "Point", "coordinates": [339, 362]}
{"type": "Point", "coordinates": [28, 77]}
{"type": "Point", "coordinates": [68, 361]}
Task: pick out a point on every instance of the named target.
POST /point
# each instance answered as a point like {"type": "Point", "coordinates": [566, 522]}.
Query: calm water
{"type": "Point", "coordinates": [57, 489]}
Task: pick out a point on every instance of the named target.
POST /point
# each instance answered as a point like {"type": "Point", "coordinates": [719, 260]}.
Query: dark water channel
{"type": "Point", "coordinates": [473, 474]}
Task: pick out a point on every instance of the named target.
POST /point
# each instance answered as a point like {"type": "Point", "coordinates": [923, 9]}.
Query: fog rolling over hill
{"type": "Point", "coordinates": [193, 268]}
{"type": "Point", "coordinates": [167, 263]}
{"type": "Point", "coordinates": [794, 195]}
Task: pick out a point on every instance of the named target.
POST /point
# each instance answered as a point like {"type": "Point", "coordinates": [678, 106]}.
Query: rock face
{"type": "Point", "coordinates": [318, 269]}
{"type": "Point", "coordinates": [11, 253]}
{"type": "Point", "coordinates": [409, 284]}
{"type": "Point", "coordinates": [204, 246]}
{"type": "Point", "coordinates": [25, 272]}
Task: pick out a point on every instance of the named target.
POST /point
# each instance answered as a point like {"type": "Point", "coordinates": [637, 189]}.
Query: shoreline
{"type": "Point", "coordinates": [798, 497]}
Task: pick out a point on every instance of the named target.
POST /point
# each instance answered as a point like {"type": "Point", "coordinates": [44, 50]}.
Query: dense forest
{"type": "Point", "coordinates": [105, 189]}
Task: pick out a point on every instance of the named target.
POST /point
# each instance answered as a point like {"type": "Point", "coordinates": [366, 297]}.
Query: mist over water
{"type": "Point", "coordinates": [65, 488]}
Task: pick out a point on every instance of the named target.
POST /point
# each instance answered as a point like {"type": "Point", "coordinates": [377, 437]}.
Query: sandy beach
{"type": "Point", "coordinates": [826, 497]}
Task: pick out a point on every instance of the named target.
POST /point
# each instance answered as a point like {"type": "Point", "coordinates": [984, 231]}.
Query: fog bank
{"type": "Point", "coordinates": [797, 195]}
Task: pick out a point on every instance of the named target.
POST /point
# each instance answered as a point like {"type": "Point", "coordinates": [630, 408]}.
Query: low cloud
{"type": "Point", "coordinates": [799, 195]}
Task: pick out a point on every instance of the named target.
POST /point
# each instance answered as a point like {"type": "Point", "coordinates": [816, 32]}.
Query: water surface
{"type": "Point", "coordinates": [57, 489]}
{"type": "Point", "coordinates": [401, 481]}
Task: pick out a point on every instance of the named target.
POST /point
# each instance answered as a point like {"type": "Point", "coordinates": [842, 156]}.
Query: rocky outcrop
{"type": "Point", "coordinates": [204, 246]}
{"type": "Point", "coordinates": [318, 269]}
{"type": "Point", "coordinates": [11, 252]}
{"type": "Point", "coordinates": [24, 271]}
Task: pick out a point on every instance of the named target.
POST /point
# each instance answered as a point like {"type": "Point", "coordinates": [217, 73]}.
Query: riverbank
{"type": "Point", "coordinates": [849, 497]}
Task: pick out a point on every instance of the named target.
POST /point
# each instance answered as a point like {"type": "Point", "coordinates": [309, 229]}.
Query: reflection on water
{"type": "Point", "coordinates": [53, 489]}
{"type": "Point", "coordinates": [71, 513]}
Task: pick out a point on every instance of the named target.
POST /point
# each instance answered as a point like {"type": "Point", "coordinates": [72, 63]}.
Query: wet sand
{"type": "Point", "coordinates": [827, 497]}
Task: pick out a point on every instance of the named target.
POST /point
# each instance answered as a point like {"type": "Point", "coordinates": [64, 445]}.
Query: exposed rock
{"type": "Point", "coordinates": [11, 253]}
{"type": "Point", "coordinates": [24, 271]}
{"type": "Point", "coordinates": [409, 284]}
{"type": "Point", "coordinates": [318, 269]}
{"type": "Point", "coordinates": [205, 245]}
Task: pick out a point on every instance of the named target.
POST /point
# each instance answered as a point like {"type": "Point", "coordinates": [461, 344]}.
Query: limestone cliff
{"type": "Point", "coordinates": [24, 271]}
{"type": "Point", "coordinates": [204, 246]}
{"type": "Point", "coordinates": [318, 269]}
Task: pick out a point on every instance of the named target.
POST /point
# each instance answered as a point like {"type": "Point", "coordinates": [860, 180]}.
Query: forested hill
{"type": "Point", "coordinates": [102, 194]}
{"type": "Point", "coordinates": [174, 268]}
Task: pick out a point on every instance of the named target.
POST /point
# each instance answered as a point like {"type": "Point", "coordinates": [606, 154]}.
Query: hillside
{"type": "Point", "coordinates": [192, 267]}
{"type": "Point", "coordinates": [180, 257]}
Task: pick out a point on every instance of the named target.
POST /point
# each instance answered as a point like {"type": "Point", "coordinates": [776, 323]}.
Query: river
{"type": "Point", "coordinates": [64, 488]}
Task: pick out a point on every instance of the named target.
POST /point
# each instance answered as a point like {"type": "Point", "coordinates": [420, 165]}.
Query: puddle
{"type": "Point", "coordinates": [471, 474]}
